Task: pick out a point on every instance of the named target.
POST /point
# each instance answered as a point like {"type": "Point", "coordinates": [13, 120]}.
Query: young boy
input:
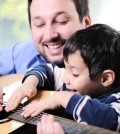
{"type": "Point", "coordinates": [91, 79]}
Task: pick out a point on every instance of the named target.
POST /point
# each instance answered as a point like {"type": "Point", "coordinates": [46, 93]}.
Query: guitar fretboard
{"type": "Point", "coordinates": [69, 126]}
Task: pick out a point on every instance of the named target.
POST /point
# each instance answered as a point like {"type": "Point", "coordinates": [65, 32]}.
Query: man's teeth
{"type": "Point", "coordinates": [54, 46]}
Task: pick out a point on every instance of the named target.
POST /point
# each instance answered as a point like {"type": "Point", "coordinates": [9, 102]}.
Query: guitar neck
{"type": "Point", "coordinates": [69, 126]}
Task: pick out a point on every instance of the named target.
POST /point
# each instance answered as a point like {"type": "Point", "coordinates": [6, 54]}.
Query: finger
{"type": "Point", "coordinates": [1, 102]}
{"type": "Point", "coordinates": [31, 110]}
{"type": "Point", "coordinates": [28, 110]}
{"type": "Point", "coordinates": [1, 93]}
{"type": "Point", "coordinates": [13, 102]}
{"type": "Point", "coordinates": [58, 129]}
{"type": "Point", "coordinates": [50, 124]}
{"type": "Point", "coordinates": [43, 124]}
{"type": "Point", "coordinates": [39, 128]}
{"type": "Point", "coordinates": [1, 108]}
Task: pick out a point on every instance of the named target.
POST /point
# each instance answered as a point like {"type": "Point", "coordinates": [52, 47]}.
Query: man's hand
{"type": "Point", "coordinates": [49, 126]}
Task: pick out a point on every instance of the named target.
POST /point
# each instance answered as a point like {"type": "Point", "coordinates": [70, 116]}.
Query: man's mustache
{"type": "Point", "coordinates": [58, 41]}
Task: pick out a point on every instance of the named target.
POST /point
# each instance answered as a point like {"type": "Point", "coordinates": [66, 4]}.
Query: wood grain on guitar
{"type": "Point", "coordinates": [17, 122]}
{"type": "Point", "coordinates": [12, 125]}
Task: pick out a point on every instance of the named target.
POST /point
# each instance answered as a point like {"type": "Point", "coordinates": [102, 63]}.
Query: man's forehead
{"type": "Point", "coordinates": [53, 4]}
{"type": "Point", "coordinates": [52, 7]}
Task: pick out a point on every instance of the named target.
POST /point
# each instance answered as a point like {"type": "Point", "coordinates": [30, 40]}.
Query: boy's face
{"type": "Point", "coordinates": [52, 23]}
{"type": "Point", "coordinates": [77, 77]}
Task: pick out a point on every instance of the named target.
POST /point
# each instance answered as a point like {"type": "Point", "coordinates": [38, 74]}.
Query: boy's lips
{"type": "Point", "coordinates": [73, 90]}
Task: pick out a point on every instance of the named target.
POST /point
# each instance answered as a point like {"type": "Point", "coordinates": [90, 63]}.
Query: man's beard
{"type": "Point", "coordinates": [58, 40]}
{"type": "Point", "coordinates": [59, 63]}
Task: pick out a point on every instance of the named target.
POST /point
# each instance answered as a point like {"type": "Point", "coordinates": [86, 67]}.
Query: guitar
{"type": "Point", "coordinates": [17, 121]}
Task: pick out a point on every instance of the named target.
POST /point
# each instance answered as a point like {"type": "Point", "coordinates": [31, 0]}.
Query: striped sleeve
{"type": "Point", "coordinates": [102, 113]}
{"type": "Point", "coordinates": [49, 76]}
{"type": "Point", "coordinates": [44, 73]}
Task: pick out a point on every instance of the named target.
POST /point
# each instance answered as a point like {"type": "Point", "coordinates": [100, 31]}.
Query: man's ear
{"type": "Point", "coordinates": [87, 21]}
{"type": "Point", "coordinates": [108, 77]}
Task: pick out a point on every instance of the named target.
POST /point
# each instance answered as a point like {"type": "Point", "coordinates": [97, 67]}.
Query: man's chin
{"type": "Point", "coordinates": [57, 60]}
{"type": "Point", "coordinates": [59, 63]}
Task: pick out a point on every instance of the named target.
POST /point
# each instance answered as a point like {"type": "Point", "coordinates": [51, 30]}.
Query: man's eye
{"type": "Point", "coordinates": [61, 22]}
{"type": "Point", "coordinates": [75, 75]}
{"type": "Point", "coordinates": [40, 25]}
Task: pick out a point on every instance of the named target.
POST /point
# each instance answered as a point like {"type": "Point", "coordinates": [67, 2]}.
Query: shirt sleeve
{"type": "Point", "coordinates": [94, 112]}
{"type": "Point", "coordinates": [47, 76]}
{"type": "Point", "coordinates": [17, 58]}
{"type": "Point", "coordinates": [6, 61]}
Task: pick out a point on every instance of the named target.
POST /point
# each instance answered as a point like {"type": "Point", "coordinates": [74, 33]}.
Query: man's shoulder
{"type": "Point", "coordinates": [24, 45]}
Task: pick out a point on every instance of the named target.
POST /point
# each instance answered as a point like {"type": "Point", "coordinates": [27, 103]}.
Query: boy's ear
{"type": "Point", "coordinates": [108, 78]}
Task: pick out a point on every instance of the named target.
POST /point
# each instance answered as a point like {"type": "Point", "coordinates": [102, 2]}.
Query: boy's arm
{"type": "Point", "coordinates": [49, 76]}
{"type": "Point", "coordinates": [40, 77]}
{"type": "Point", "coordinates": [94, 111]}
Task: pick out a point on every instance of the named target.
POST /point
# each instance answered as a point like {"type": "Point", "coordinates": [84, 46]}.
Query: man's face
{"type": "Point", "coordinates": [52, 23]}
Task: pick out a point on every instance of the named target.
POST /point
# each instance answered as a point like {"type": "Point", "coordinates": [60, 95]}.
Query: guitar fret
{"type": "Point", "coordinates": [34, 120]}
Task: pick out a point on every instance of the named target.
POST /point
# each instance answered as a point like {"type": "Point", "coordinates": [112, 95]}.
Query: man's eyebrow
{"type": "Point", "coordinates": [65, 14]}
{"type": "Point", "coordinates": [36, 18]}
{"type": "Point", "coordinates": [61, 12]}
{"type": "Point", "coordinates": [56, 14]}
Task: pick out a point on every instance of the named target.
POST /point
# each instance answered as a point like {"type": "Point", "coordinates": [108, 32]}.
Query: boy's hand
{"type": "Point", "coordinates": [25, 90]}
{"type": "Point", "coordinates": [48, 103]}
{"type": "Point", "coordinates": [34, 109]}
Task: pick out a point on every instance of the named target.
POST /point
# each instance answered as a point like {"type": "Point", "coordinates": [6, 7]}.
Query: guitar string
{"type": "Point", "coordinates": [34, 120]}
{"type": "Point", "coordinates": [57, 118]}
{"type": "Point", "coordinates": [37, 118]}
{"type": "Point", "coordinates": [20, 108]}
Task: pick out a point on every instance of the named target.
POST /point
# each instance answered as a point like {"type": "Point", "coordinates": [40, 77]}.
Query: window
{"type": "Point", "coordinates": [14, 24]}
{"type": "Point", "coordinates": [105, 11]}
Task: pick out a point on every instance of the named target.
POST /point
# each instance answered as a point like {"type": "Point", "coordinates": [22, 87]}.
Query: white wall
{"type": "Point", "coordinates": [105, 11]}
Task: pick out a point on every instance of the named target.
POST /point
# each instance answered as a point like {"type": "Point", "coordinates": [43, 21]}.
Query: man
{"type": "Point", "coordinates": [52, 22]}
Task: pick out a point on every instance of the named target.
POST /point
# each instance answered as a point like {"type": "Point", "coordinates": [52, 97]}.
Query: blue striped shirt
{"type": "Point", "coordinates": [103, 111]}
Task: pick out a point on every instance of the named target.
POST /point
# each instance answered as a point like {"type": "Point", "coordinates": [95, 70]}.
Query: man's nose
{"type": "Point", "coordinates": [50, 33]}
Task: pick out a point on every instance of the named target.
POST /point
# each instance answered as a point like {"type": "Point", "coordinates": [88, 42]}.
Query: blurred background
{"type": "Point", "coordinates": [14, 26]}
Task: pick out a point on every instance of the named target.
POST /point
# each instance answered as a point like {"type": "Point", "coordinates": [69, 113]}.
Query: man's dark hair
{"type": "Point", "coordinates": [81, 7]}
{"type": "Point", "coordinates": [99, 46]}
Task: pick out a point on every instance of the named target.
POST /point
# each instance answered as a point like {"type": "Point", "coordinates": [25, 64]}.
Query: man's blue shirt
{"type": "Point", "coordinates": [18, 58]}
